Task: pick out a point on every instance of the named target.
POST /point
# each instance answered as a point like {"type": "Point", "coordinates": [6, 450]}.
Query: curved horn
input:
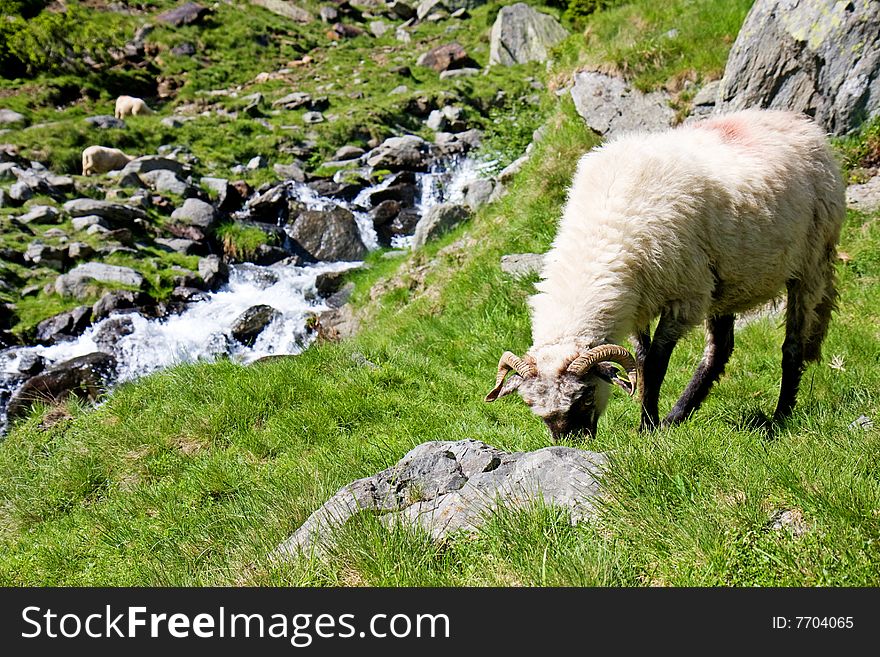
{"type": "Point", "coordinates": [606, 352]}
{"type": "Point", "coordinates": [525, 367]}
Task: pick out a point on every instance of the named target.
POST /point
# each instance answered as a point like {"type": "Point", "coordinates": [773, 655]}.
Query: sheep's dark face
{"type": "Point", "coordinates": [570, 406]}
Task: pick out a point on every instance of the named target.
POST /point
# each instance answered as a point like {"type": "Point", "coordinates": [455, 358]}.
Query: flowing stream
{"type": "Point", "coordinates": [203, 330]}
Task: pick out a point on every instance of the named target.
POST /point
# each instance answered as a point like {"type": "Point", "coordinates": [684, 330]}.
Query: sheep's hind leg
{"type": "Point", "coordinates": [793, 355]}
{"type": "Point", "coordinates": [719, 347]}
{"type": "Point", "coordinates": [656, 362]}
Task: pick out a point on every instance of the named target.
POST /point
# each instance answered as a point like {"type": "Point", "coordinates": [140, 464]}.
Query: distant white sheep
{"type": "Point", "coordinates": [129, 105]}
{"type": "Point", "coordinates": [696, 223]}
{"type": "Point", "coordinates": [101, 159]}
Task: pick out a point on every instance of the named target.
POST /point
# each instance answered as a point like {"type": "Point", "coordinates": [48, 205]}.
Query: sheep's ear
{"type": "Point", "coordinates": [512, 384]}
{"type": "Point", "coordinates": [609, 373]}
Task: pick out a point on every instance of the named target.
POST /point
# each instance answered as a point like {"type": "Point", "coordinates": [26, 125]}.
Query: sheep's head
{"type": "Point", "coordinates": [570, 401]}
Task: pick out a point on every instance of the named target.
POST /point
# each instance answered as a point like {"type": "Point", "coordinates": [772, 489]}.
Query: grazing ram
{"type": "Point", "coordinates": [129, 105]}
{"type": "Point", "coordinates": [694, 224]}
{"type": "Point", "coordinates": [101, 159]}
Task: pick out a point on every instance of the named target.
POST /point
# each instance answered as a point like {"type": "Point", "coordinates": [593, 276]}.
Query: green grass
{"type": "Point", "coordinates": [241, 242]}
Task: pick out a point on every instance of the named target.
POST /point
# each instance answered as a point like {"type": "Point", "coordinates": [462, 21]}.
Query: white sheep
{"type": "Point", "coordinates": [101, 159]}
{"type": "Point", "coordinates": [126, 105]}
{"type": "Point", "coordinates": [694, 224]}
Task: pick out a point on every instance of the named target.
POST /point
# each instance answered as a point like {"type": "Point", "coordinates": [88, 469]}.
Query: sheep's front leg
{"type": "Point", "coordinates": [719, 346]}
{"type": "Point", "coordinates": [656, 362]}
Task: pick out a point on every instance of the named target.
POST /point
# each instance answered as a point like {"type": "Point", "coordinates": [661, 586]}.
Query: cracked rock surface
{"type": "Point", "coordinates": [449, 486]}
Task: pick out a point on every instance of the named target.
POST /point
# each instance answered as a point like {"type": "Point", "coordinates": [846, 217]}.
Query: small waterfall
{"type": "Point", "coordinates": [203, 330]}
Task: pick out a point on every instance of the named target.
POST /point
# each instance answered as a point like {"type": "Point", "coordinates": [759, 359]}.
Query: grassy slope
{"type": "Point", "coordinates": [193, 475]}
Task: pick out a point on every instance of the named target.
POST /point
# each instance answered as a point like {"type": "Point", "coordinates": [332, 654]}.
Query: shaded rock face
{"type": "Point", "coordinates": [445, 487]}
{"type": "Point", "coordinates": [120, 300]}
{"type": "Point", "coordinates": [522, 34]}
{"type": "Point", "coordinates": [610, 107]}
{"type": "Point", "coordinates": [186, 14]}
{"type": "Point", "coordinates": [248, 326]}
{"type": "Point", "coordinates": [810, 56]}
{"type": "Point", "coordinates": [84, 376]}
{"type": "Point", "coordinates": [197, 217]}
{"type": "Point", "coordinates": [327, 235]}
{"type": "Point", "coordinates": [64, 326]}
{"type": "Point", "coordinates": [437, 221]}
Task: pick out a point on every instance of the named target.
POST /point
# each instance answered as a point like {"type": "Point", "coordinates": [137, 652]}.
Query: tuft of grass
{"type": "Point", "coordinates": [239, 241]}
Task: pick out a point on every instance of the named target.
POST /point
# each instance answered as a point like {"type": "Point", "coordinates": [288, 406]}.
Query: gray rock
{"type": "Point", "coordinates": [708, 94]}
{"type": "Point", "coordinates": [84, 377]}
{"type": "Point", "coordinates": [427, 7]}
{"type": "Point", "coordinates": [522, 264]}
{"type": "Point", "coordinates": [327, 235]}
{"type": "Point", "coordinates": [108, 335]}
{"type": "Point", "coordinates": [446, 487]}
{"type": "Point", "coordinates": [119, 300]}
{"type": "Point", "coordinates": [409, 153]}
{"type": "Point", "coordinates": [478, 192]}
{"type": "Point", "coordinates": [248, 326]}
{"type": "Point", "coordinates": [610, 107]}
{"type": "Point", "coordinates": [180, 245]}
{"type": "Point", "coordinates": [89, 220]}
{"type": "Point", "coordinates": [112, 212]}
{"type": "Point", "coordinates": [864, 197]}
{"type": "Point", "coordinates": [445, 57]}
{"type": "Point", "coordinates": [20, 192]}
{"type": "Point", "coordinates": [294, 100]}
{"type": "Point", "coordinates": [10, 117]}
{"type": "Point", "coordinates": [41, 214]}
{"type": "Point", "coordinates": [45, 256]}
{"type": "Point", "coordinates": [289, 172]}
{"type": "Point", "coordinates": [438, 220]}
{"type": "Point", "coordinates": [401, 10]}
{"type": "Point", "coordinates": [197, 215]}
{"type": "Point", "coordinates": [270, 206]}
{"type": "Point", "coordinates": [256, 162]}
{"type": "Point", "coordinates": [522, 34]}
{"type": "Point", "coordinates": [105, 122]}
{"type": "Point", "coordinates": [313, 117]}
{"type": "Point", "coordinates": [75, 282]}
{"type": "Point", "coordinates": [328, 14]}
{"type": "Point", "coordinates": [186, 14]}
{"type": "Point", "coordinates": [398, 90]}
{"type": "Point", "coordinates": [64, 326]}
{"type": "Point", "coordinates": [185, 49]}
{"type": "Point", "coordinates": [348, 152]}
{"type": "Point", "coordinates": [379, 28]}
{"type": "Point", "coordinates": [146, 163]}
{"type": "Point", "coordinates": [79, 251]}
{"type": "Point", "coordinates": [509, 172]}
{"type": "Point", "coordinates": [175, 121]}
{"type": "Point", "coordinates": [809, 56]}
{"type": "Point", "coordinates": [213, 271]}
{"type": "Point", "coordinates": [286, 9]}
{"type": "Point", "coordinates": [164, 181]}
{"type": "Point", "coordinates": [30, 363]}
{"type": "Point", "coordinates": [464, 72]}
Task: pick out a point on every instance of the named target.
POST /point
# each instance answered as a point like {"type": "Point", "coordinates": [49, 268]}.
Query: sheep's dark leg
{"type": "Point", "coordinates": [668, 332]}
{"type": "Point", "coordinates": [792, 352]}
{"type": "Point", "coordinates": [719, 346]}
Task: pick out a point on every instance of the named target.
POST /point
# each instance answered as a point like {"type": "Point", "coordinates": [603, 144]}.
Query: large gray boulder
{"type": "Point", "coordinates": [64, 326]}
{"type": "Point", "coordinates": [247, 327]}
{"type": "Point", "coordinates": [113, 212]}
{"type": "Point", "coordinates": [286, 9]}
{"type": "Point", "coordinates": [812, 56]}
{"type": "Point", "coordinates": [328, 235]}
{"type": "Point", "coordinates": [522, 34]}
{"type": "Point", "coordinates": [198, 216]}
{"type": "Point", "coordinates": [148, 163]}
{"type": "Point", "coordinates": [407, 153]}
{"type": "Point", "coordinates": [76, 282]}
{"type": "Point", "coordinates": [445, 487]}
{"type": "Point", "coordinates": [609, 106]}
{"type": "Point", "coordinates": [439, 219]}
